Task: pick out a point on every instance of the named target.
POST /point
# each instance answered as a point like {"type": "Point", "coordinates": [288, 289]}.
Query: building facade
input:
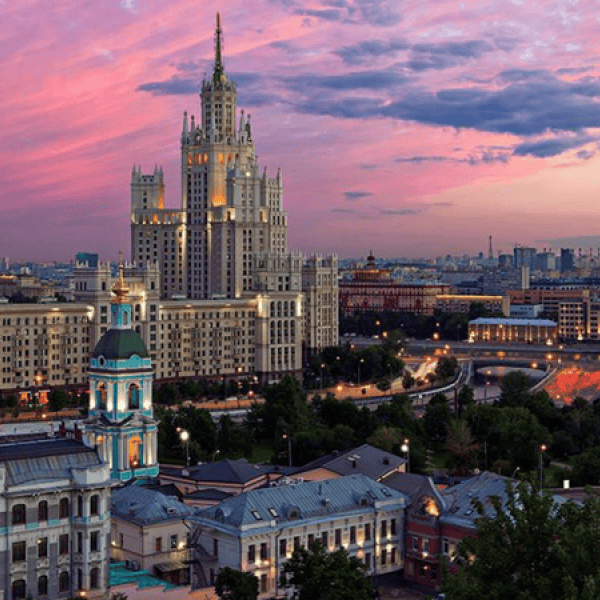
{"type": "Point", "coordinates": [527, 331]}
{"type": "Point", "coordinates": [229, 239]}
{"type": "Point", "coordinates": [55, 496]}
{"type": "Point", "coordinates": [258, 531]}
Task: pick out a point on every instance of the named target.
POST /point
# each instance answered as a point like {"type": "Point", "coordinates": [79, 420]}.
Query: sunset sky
{"type": "Point", "coordinates": [409, 127]}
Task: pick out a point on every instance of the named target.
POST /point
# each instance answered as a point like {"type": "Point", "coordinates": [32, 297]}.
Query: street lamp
{"type": "Point", "coordinates": [362, 360]}
{"type": "Point", "coordinates": [289, 445]}
{"type": "Point", "coordinates": [321, 367]}
{"type": "Point", "coordinates": [543, 449]}
{"type": "Point", "coordinates": [185, 438]}
{"type": "Point", "coordinates": [406, 449]}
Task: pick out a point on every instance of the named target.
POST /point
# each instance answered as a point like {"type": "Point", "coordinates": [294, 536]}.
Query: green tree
{"type": "Point", "coordinates": [514, 389]}
{"type": "Point", "coordinates": [319, 575]}
{"type": "Point", "coordinates": [407, 380]}
{"type": "Point", "coordinates": [463, 449]}
{"type": "Point", "coordinates": [529, 548]}
{"type": "Point", "coordinates": [235, 585]}
{"type": "Point", "coordinates": [466, 397]}
{"type": "Point", "coordinates": [437, 416]}
{"type": "Point", "coordinates": [446, 367]}
{"type": "Point", "coordinates": [58, 400]}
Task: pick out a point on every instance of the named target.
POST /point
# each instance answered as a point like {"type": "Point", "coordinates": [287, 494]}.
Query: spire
{"type": "Point", "coordinates": [185, 124]}
{"type": "Point", "coordinates": [120, 289]}
{"type": "Point", "coordinates": [219, 72]}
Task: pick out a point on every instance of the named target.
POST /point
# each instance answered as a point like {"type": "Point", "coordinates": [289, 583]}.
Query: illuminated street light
{"type": "Point", "coordinates": [543, 449]}
{"type": "Point", "coordinates": [406, 449]}
{"type": "Point", "coordinates": [185, 438]}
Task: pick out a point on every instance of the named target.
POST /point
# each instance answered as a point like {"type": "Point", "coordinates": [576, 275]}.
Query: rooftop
{"type": "Point", "coordinates": [513, 322]}
{"type": "Point", "coordinates": [120, 344]}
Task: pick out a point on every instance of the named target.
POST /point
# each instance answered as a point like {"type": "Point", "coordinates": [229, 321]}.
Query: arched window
{"type": "Point", "coordinates": [42, 585]}
{"type": "Point", "coordinates": [18, 589]}
{"type": "Point", "coordinates": [63, 508]}
{"type": "Point", "coordinates": [125, 318]}
{"type": "Point", "coordinates": [95, 578]}
{"type": "Point", "coordinates": [101, 396]}
{"type": "Point", "coordinates": [134, 452]}
{"type": "Point", "coordinates": [134, 395]}
{"type": "Point", "coordinates": [279, 308]}
{"type": "Point", "coordinates": [272, 309]}
{"type": "Point", "coordinates": [42, 511]}
{"type": "Point", "coordinates": [292, 308]}
{"type": "Point", "coordinates": [19, 514]}
{"type": "Point", "coordinates": [95, 505]}
{"type": "Point", "coordinates": [63, 582]}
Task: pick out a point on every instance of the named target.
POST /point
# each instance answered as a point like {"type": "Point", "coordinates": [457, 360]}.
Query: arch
{"type": "Point", "coordinates": [63, 582]}
{"type": "Point", "coordinates": [19, 514]}
{"type": "Point", "coordinates": [18, 589]}
{"type": "Point", "coordinates": [95, 578]}
{"type": "Point", "coordinates": [135, 443]}
{"type": "Point", "coordinates": [125, 317]}
{"type": "Point", "coordinates": [101, 396]}
{"type": "Point", "coordinates": [42, 511]}
{"type": "Point", "coordinates": [134, 396]}
{"type": "Point", "coordinates": [42, 585]}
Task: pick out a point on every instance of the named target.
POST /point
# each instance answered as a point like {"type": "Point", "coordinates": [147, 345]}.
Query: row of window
{"type": "Point", "coordinates": [19, 549]}
{"type": "Point", "coordinates": [19, 587]}
{"type": "Point", "coordinates": [19, 511]}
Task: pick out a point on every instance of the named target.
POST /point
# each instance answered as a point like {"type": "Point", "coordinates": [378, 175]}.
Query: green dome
{"type": "Point", "coordinates": [120, 343]}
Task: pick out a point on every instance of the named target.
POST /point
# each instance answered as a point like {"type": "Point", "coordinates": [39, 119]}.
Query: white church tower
{"type": "Point", "coordinates": [121, 421]}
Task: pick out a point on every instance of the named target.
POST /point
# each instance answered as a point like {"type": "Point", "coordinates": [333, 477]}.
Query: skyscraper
{"type": "Point", "coordinates": [229, 239]}
{"type": "Point", "coordinates": [232, 216]}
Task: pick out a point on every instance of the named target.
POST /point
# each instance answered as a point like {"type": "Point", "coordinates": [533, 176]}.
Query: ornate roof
{"type": "Point", "coordinates": [120, 344]}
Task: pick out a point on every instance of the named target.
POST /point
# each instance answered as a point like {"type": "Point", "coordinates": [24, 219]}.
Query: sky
{"type": "Point", "coordinates": [410, 128]}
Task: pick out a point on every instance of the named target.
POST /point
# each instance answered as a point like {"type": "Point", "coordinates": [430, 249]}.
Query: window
{"type": "Point", "coordinates": [393, 527]}
{"type": "Point", "coordinates": [19, 514]}
{"type": "Point", "coordinates": [63, 582]}
{"type": "Point", "coordinates": [367, 532]}
{"type": "Point", "coordinates": [282, 548]}
{"type": "Point", "coordinates": [264, 551]}
{"type": "Point", "coordinates": [368, 560]}
{"type": "Point", "coordinates": [296, 543]}
{"type": "Point", "coordinates": [18, 589]}
{"type": "Point", "coordinates": [43, 547]}
{"type": "Point", "coordinates": [383, 556]}
{"type": "Point", "coordinates": [252, 553]}
{"type": "Point", "coordinates": [325, 539]}
{"type": "Point", "coordinates": [393, 559]}
{"type": "Point", "coordinates": [42, 586]}
{"type": "Point", "coordinates": [63, 510]}
{"type": "Point", "coordinates": [353, 535]}
{"type": "Point", "coordinates": [80, 542]}
{"type": "Point", "coordinates": [426, 546]}
{"type": "Point", "coordinates": [158, 544]}
{"type": "Point", "coordinates": [18, 551]}
{"type": "Point", "coordinates": [80, 505]}
{"type": "Point", "coordinates": [95, 505]}
{"type": "Point", "coordinates": [42, 511]}
{"type": "Point", "coordinates": [173, 542]}
{"type": "Point", "coordinates": [63, 543]}
{"type": "Point", "coordinates": [216, 548]}
{"type": "Point", "coordinates": [264, 583]}
{"type": "Point", "coordinates": [95, 578]}
{"type": "Point", "coordinates": [134, 396]}
{"type": "Point", "coordinates": [383, 529]}
{"type": "Point", "coordinates": [311, 539]}
{"type": "Point", "coordinates": [338, 537]}
{"type": "Point", "coordinates": [94, 541]}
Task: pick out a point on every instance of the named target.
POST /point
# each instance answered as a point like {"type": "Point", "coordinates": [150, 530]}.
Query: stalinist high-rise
{"type": "Point", "coordinates": [229, 240]}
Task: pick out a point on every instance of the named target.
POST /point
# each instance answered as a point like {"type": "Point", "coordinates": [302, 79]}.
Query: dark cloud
{"type": "Point", "coordinates": [175, 86]}
{"type": "Point", "coordinates": [466, 49]}
{"type": "Point", "coordinates": [574, 70]}
{"type": "Point", "coordinates": [586, 154]}
{"type": "Point", "coordinates": [526, 108]}
{"type": "Point", "coordinates": [365, 51]}
{"type": "Point", "coordinates": [368, 166]}
{"type": "Point", "coordinates": [400, 211]}
{"type": "Point", "coordinates": [477, 157]}
{"type": "Point", "coordinates": [518, 75]}
{"type": "Point", "coordinates": [350, 81]}
{"type": "Point", "coordinates": [552, 147]}
{"type": "Point", "coordinates": [507, 44]}
{"type": "Point", "coordinates": [374, 12]}
{"type": "Point", "coordinates": [357, 194]}
{"type": "Point", "coordinates": [328, 14]}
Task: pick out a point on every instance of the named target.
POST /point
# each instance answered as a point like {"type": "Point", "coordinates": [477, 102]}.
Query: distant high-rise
{"type": "Point", "coordinates": [567, 259]}
{"type": "Point", "coordinates": [524, 257]}
{"type": "Point", "coordinates": [229, 238]}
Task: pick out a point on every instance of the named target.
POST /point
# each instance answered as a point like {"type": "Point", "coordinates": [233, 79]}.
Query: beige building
{"type": "Point", "coordinates": [461, 303]}
{"type": "Point", "coordinates": [529, 331]}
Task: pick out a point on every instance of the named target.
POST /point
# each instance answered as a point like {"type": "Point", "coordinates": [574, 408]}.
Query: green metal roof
{"type": "Point", "coordinates": [120, 343]}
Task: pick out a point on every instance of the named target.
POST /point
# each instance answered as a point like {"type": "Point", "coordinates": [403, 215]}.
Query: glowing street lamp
{"type": "Point", "coordinates": [543, 449]}
{"type": "Point", "coordinates": [185, 438]}
{"type": "Point", "coordinates": [406, 449]}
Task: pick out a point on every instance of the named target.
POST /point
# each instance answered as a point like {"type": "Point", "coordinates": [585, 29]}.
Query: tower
{"type": "Point", "coordinates": [233, 212]}
{"type": "Point", "coordinates": [121, 421]}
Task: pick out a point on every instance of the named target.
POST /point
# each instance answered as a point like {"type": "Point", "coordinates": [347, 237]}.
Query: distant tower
{"type": "Point", "coordinates": [121, 421]}
{"type": "Point", "coordinates": [491, 250]}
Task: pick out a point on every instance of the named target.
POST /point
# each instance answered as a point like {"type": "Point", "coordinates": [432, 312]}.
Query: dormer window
{"type": "Point", "coordinates": [256, 515]}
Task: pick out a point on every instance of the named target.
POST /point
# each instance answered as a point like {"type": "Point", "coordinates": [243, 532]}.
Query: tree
{"type": "Point", "coordinates": [462, 448]}
{"type": "Point", "coordinates": [446, 367]}
{"type": "Point", "coordinates": [407, 380]}
{"type": "Point", "coordinates": [529, 548]}
{"type": "Point", "coordinates": [235, 585]}
{"type": "Point", "coordinates": [319, 575]}
{"type": "Point", "coordinates": [58, 400]}
{"type": "Point", "coordinates": [437, 416]}
{"type": "Point", "coordinates": [466, 397]}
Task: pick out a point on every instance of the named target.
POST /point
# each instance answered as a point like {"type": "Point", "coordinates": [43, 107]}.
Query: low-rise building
{"type": "Point", "coordinates": [258, 531]}
{"type": "Point", "coordinates": [149, 531]}
{"type": "Point", "coordinates": [530, 331]}
{"type": "Point", "coordinates": [461, 303]}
